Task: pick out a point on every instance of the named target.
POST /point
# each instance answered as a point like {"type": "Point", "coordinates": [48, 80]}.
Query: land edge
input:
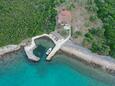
{"type": "Point", "coordinates": [77, 52]}
{"type": "Point", "coordinates": [69, 50]}
{"type": "Point", "coordinates": [13, 47]}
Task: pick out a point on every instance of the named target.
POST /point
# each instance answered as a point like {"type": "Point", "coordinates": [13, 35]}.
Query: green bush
{"type": "Point", "coordinates": [89, 35]}
{"type": "Point", "coordinates": [93, 18]}
{"type": "Point", "coordinates": [100, 48]}
{"type": "Point", "coordinates": [71, 6]}
{"type": "Point", "coordinates": [77, 34]}
{"type": "Point", "coordinates": [92, 8]}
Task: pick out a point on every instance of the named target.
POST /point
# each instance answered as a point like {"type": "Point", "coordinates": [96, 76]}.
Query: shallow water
{"type": "Point", "coordinates": [17, 70]}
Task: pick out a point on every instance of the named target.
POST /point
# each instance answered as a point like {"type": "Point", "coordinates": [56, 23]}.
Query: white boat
{"type": "Point", "coordinates": [48, 51]}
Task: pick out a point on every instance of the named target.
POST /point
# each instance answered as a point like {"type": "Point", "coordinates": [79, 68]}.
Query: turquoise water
{"type": "Point", "coordinates": [17, 70]}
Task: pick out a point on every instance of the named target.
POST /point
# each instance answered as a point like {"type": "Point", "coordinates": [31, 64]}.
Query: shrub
{"type": "Point", "coordinates": [93, 18]}
{"type": "Point", "coordinates": [100, 48]}
{"type": "Point", "coordinates": [77, 34]}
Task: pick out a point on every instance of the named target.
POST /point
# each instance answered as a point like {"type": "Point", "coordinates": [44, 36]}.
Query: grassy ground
{"type": "Point", "coordinates": [20, 19]}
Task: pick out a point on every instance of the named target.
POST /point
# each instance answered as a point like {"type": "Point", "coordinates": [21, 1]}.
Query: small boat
{"type": "Point", "coordinates": [48, 51]}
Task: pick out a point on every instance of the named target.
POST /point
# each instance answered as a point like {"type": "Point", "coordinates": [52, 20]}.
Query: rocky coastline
{"type": "Point", "coordinates": [13, 48]}
{"type": "Point", "coordinates": [106, 63]}
{"type": "Point", "coordinates": [77, 52]}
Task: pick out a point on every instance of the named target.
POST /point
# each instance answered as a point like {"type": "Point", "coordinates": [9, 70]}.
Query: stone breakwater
{"type": "Point", "coordinates": [104, 62]}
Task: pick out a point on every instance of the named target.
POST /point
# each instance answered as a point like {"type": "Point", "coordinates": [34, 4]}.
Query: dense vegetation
{"type": "Point", "coordinates": [102, 40]}
{"type": "Point", "coordinates": [20, 19]}
{"type": "Point", "coordinates": [96, 40]}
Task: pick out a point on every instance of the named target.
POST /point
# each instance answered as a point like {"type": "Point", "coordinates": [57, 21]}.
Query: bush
{"type": "Point", "coordinates": [92, 8]}
{"type": "Point", "coordinates": [112, 52]}
{"type": "Point", "coordinates": [93, 18]}
{"type": "Point", "coordinates": [77, 34]}
{"type": "Point", "coordinates": [100, 48]}
{"type": "Point", "coordinates": [71, 6]}
{"type": "Point", "coordinates": [89, 35]}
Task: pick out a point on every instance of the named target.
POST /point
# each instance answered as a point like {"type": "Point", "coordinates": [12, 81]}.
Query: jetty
{"type": "Point", "coordinates": [59, 41]}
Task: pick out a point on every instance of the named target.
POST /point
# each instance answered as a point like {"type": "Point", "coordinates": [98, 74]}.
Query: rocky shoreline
{"type": "Point", "coordinates": [12, 48]}
{"type": "Point", "coordinates": [77, 52]}
{"type": "Point", "coordinates": [105, 63]}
